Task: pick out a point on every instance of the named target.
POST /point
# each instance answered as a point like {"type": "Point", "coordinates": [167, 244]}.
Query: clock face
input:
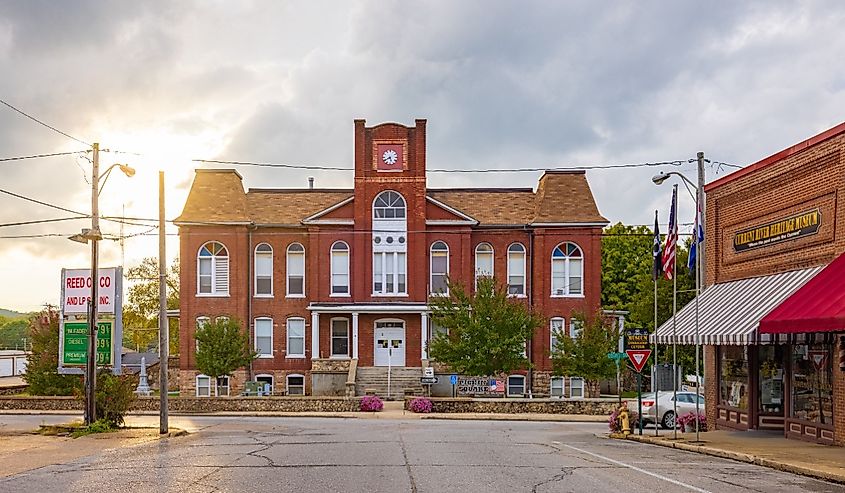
{"type": "Point", "coordinates": [390, 157]}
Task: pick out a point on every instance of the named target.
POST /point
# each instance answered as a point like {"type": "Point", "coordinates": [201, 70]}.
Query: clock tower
{"type": "Point", "coordinates": [389, 171]}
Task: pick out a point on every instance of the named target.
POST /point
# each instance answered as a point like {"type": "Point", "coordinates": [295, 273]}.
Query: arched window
{"type": "Point", "coordinates": [340, 268]}
{"type": "Point", "coordinates": [389, 205]}
{"type": "Point", "coordinates": [213, 270]}
{"type": "Point", "coordinates": [483, 261]}
{"type": "Point", "coordinates": [266, 380]}
{"type": "Point", "coordinates": [263, 343]}
{"type": "Point", "coordinates": [390, 231]}
{"type": "Point", "coordinates": [567, 270]}
{"type": "Point", "coordinates": [516, 269]}
{"type": "Point", "coordinates": [296, 384]}
{"type": "Point", "coordinates": [296, 270]}
{"type": "Point", "coordinates": [439, 268]}
{"type": "Point", "coordinates": [264, 270]}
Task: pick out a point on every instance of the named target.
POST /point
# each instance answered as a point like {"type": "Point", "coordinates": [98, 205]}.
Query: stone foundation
{"type": "Point", "coordinates": [188, 381]}
{"type": "Point", "coordinates": [195, 404]}
{"type": "Point", "coordinates": [519, 406]}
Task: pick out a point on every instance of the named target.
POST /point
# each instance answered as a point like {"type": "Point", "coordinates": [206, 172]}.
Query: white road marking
{"type": "Point", "coordinates": [629, 466]}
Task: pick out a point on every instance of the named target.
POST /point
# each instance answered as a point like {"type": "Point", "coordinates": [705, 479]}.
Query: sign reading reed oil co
{"type": "Point", "coordinates": [790, 228]}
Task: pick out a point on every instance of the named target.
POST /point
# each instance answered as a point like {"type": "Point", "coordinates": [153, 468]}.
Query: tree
{"type": "Point", "coordinates": [486, 331]}
{"type": "Point", "coordinates": [140, 315]}
{"type": "Point", "coordinates": [13, 334]}
{"type": "Point", "coordinates": [585, 355]}
{"type": "Point", "coordinates": [223, 347]}
{"type": "Point", "coordinates": [626, 262]}
{"type": "Point", "coordinates": [42, 368]}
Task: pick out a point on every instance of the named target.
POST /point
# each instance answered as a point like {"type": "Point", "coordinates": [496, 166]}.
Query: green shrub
{"type": "Point", "coordinates": [115, 395]}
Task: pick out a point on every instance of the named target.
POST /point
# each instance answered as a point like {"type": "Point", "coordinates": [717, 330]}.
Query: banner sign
{"type": "Point", "coordinates": [791, 228]}
{"type": "Point", "coordinates": [76, 290]}
{"type": "Point", "coordinates": [480, 386]}
{"type": "Point", "coordinates": [75, 347]}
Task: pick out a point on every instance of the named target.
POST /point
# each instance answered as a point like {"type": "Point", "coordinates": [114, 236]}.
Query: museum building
{"type": "Point", "coordinates": [333, 283]}
{"type": "Point", "coordinates": [772, 315]}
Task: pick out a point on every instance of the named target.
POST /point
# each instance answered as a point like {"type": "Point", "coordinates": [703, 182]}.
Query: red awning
{"type": "Point", "coordinates": [818, 306]}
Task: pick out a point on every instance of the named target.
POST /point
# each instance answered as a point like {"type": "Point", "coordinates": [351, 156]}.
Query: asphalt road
{"type": "Point", "coordinates": [331, 454]}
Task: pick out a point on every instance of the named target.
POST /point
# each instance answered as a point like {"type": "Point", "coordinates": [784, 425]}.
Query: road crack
{"type": "Point", "coordinates": [564, 472]}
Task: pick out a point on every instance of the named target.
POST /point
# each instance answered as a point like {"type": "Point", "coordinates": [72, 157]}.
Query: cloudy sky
{"type": "Point", "coordinates": [502, 84]}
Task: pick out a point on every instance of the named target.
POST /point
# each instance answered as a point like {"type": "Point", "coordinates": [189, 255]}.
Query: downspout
{"type": "Point", "coordinates": [250, 285]}
{"type": "Point", "coordinates": [530, 307]}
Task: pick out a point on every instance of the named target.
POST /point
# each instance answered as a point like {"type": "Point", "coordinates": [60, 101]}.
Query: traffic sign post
{"type": "Point", "coordinates": [638, 350]}
{"type": "Point", "coordinates": [453, 379]}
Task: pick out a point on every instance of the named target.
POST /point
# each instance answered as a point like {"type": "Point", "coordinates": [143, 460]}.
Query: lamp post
{"type": "Point", "coordinates": [94, 236]}
{"type": "Point", "coordinates": [699, 262]}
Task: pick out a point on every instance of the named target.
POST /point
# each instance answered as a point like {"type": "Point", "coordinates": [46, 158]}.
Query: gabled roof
{"type": "Point", "coordinates": [562, 198]}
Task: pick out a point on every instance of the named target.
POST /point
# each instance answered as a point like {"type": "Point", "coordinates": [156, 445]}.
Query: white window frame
{"type": "Point", "coordinates": [508, 386]}
{"type": "Point", "coordinates": [566, 261]}
{"type": "Point", "coordinates": [272, 382]}
{"type": "Point", "coordinates": [561, 386]}
{"type": "Point", "coordinates": [216, 263]}
{"type": "Point", "coordinates": [288, 254]}
{"type": "Point", "coordinates": [287, 383]}
{"type": "Point", "coordinates": [208, 386]}
{"type": "Point", "coordinates": [552, 338]}
{"type": "Point", "coordinates": [340, 248]}
{"type": "Point", "coordinates": [288, 354]}
{"type": "Point", "coordinates": [263, 254]}
{"type": "Point", "coordinates": [398, 267]}
{"type": "Point", "coordinates": [334, 355]}
{"type": "Point", "coordinates": [391, 201]}
{"type": "Point", "coordinates": [572, 386]}
{"type": "Point", "coordinates": [228, 386]}
{"type": "Point", "coordinates": [492, 253]}
{"type": "Point", "coordinates": [202, 320]}
{"type": "Point", "coordinates": [431, 254]}
{"type": "Point", "coordinates": [576, 326]}
{"type": "Point", "coordinates": [524, 255]}
{"type": "Point", "coordinates": [267, 321]}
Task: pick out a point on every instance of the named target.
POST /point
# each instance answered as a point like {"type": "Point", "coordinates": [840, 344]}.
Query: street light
{"type": "Point", "coordinates": [94, 236]}
{"type": "Point", "coordinates": [699, 261]}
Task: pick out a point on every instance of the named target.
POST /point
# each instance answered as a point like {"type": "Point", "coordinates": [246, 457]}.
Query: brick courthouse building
{"type": "Point", "coordinates": [772, 317]}
{"type": "Point", "coordinates": [328, 277]}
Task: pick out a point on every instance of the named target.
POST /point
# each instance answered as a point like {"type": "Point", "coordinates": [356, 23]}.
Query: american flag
{"type": "Point", "coordinates": [671, 238]}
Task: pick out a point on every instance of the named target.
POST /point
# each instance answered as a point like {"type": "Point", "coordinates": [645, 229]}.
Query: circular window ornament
{"type": "Point", "coordinates": [377, 240]}
{"type": "Point", "coordinates": [401, 239]}
{"type": "Point", "coordinates": [389, 239]}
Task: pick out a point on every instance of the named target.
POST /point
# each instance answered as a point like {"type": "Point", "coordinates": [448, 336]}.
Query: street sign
{"type": "Point", "coordinates": [616, 355]}
{"type": "Point", "coordinates": [453, 379]}
{"type": "Point", "coordinates": [75, 347]}
{"type": "Point", "coordinates": [428, 380]}
{"type": "Point", "coordinates": [638, 358]}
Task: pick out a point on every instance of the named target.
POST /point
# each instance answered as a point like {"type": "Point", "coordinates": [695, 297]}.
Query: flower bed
{"type": "Point", "coordinates": [420, 405]}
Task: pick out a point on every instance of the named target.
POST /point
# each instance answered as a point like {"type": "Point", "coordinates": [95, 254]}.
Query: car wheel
{"type": "Point", "coordinates": [668, 420]}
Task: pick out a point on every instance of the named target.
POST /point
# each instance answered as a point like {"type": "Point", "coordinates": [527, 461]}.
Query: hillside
{"type": "Point", "coordinates": [11, 313]}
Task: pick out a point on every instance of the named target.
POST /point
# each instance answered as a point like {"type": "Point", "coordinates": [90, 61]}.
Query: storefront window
{"type": "Point", "coordinates": [812, 392]}
{"type": "Point", "coordinates": [772, 360]}
{"type": "Point", "coordinates": [734, 377]}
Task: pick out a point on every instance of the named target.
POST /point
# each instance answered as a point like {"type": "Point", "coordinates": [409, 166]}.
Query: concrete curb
{"type": "Point", "coordinates": [737, 456]}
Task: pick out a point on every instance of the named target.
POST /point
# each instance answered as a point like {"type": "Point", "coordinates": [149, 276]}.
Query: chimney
{"type": "Point", "coordinates": [310, 183]}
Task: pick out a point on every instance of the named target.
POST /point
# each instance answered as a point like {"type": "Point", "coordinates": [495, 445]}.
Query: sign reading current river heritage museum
{"type": "Point", "coordinates": [790, 228]}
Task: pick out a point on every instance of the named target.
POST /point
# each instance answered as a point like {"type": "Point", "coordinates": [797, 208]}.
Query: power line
{"type": "Point", "coordinates": [41, 221]}
{"type": "Point", "coordinates": [37, 156]}
{"type": "Point", "coordinates": [443, 170]}
{"type": "Point", "coordinates": [36, 120]}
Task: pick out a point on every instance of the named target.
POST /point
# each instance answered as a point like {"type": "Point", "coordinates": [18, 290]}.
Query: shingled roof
{"type": "Point", "coordinates": [561, 198]}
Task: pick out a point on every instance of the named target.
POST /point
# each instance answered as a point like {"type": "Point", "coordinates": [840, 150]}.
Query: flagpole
{"type": "Point", "coordinates": [656, 276]}
{"type": "Point", "coordinates": [674, 318]}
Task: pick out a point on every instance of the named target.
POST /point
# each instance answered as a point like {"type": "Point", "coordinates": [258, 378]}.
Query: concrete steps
{"type": "Point", "coordinates": [402, 379]}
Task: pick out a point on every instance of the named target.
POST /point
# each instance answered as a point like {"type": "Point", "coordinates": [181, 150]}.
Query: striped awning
{"type": "Point", "coordinates": [730, 312]}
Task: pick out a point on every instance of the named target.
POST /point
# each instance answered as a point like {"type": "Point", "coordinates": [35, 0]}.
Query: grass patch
{"type": "Point", "coordinates": [76, 430]}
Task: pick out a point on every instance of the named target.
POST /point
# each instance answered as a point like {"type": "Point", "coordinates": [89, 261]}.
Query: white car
{"type": "Point", "coordinates": [665, 406]}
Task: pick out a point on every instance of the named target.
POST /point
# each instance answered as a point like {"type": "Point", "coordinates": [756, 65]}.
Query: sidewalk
{"type": "Point", "coordinates": [769, 449]}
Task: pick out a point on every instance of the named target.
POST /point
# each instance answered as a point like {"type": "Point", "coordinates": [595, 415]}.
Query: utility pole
{"type": "Point", "coordinates": [94, 236]}
{"type": "Point", "coordinates": [699, 280]}
{"type": "Point", "coordinates": [163, 325]}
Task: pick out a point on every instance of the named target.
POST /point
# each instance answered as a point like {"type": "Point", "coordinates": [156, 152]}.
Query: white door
{"type": "Point", "coordinates": [389, 343]}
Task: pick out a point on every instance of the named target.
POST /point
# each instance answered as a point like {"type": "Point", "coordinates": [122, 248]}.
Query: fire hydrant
{"type": "Point", "coordinates": [624, 420]}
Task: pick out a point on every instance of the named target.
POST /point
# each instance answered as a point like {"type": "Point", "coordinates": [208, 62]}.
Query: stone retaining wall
{"type": "Point", "coordinates": [519, 406]}
{"type": "Point", "coordinates": [195, 404]}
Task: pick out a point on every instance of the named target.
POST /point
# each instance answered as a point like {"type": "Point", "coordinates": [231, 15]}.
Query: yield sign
{"type": "Point", "coordinates": [638, 357]}
{"type": "Point", "coordinates": [819, 358]}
